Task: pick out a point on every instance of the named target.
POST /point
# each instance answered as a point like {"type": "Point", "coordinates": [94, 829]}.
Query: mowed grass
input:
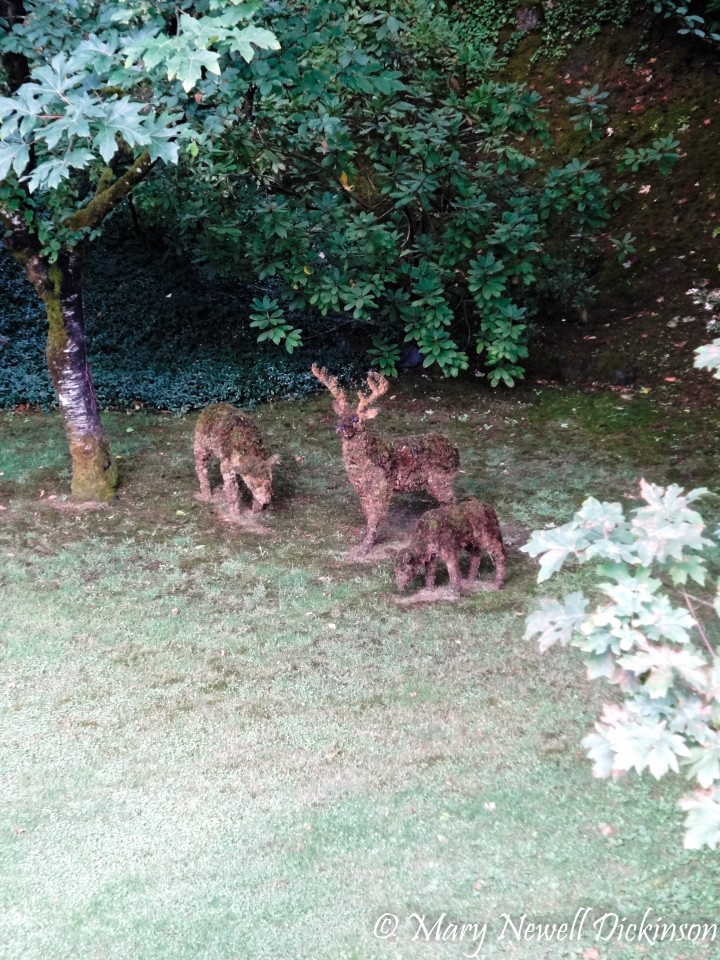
{"type": "Point", "coordinates": [219, 744]}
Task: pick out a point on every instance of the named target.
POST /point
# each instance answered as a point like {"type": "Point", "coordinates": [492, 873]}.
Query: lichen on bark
{"type": "Point", "coordinates": [94, 475]}
{"type": "Point", "coordinates": [59, 286]}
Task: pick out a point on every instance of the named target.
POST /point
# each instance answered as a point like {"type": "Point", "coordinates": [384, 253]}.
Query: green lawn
{"type": "Point", "coordinates": [222, 745]}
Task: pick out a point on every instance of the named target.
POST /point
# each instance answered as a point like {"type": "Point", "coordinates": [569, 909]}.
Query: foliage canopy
{"type": "Point", "coordinates": [101, 93]}
{"type": "Point", "coordinates": [376, 170]}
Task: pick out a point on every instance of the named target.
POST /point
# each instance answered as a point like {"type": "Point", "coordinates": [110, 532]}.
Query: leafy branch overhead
{"type": "Point", "coordinates": [377, 170]}
{"type": "Point", "coordinates": [101, 89]}
{"type": "Point", "coordinates": [269, 318]}
{"type": "Point", "coordinates": [94, 96]}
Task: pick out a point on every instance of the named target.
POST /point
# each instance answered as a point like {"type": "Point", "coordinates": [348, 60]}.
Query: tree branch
{"type": "Point", "coordinates": [25, 248]}
{"type": "Point", "coordinates": [699, 625]}
{"type": "Point", "coordinates": [99, 207]}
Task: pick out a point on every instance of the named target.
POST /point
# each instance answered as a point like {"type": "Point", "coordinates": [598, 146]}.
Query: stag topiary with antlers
{"type": "Point", "coordinates": [377, 467]}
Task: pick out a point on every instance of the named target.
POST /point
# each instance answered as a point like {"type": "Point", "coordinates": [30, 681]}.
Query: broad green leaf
{"type": "Point", "coordinates": [658, 666]}
{"type": "Point", "coordinates": [704, 763]}
{"type": "Point", "coordinates": [600, 667]}
{"type": "Point", "coordinates": [708, 357]}
{"type": "Point", "coordinates": [51, 173]}
{"type": "Point", "coordinates": [692, 568]}
{"type": "Point", "coordinates": [703, 820]}
{"type": "Point", "coordinates": [242, 41]}
{"type": "Point", "coordinates": [188, 66]}
{"type": "Point", "coordinates": [600, 751]}
{"type": "Point", "coordinates": [556, 622]}
{"type": "Point", "coordinates": [122, 118]}
{"type": "Point", "coordinates": [15, 155]}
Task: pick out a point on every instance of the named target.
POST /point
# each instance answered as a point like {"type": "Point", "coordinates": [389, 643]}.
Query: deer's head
{"type": "Point", "coordinates": [351, 420]}
{"type": "Point", "coordinates": [258, 475]}
{"type": "Point", "coordinates": [407, 567]}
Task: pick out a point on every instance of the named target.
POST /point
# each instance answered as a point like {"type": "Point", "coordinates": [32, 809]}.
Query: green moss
{"type": "Point", "coordinates": [102, 204]}
{"type": "Point", "coordinates": [56, 331]}
{"type": "Point", "coordinates": [94, 475]}
{"type": "Point", "coordinates": [105, 179]}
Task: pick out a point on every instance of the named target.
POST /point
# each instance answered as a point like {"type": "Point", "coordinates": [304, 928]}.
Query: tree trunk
{"type": "Point", "coordinates": [94, 475]}
{"type": "Point", "coordinates": [59, 286]}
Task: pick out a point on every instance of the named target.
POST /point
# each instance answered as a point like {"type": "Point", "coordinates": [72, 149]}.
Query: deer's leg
{"type": "Point", "coordinates": [202, 455]}
{"type": "Point", "coordinates": [430, 574]}
{"type": "Point", "coordinates": [453, 568]}
{"type": "Point", "coordinates": [475, 558]}
{"type": "Point", "coordinates": [231, 490]}
{"type": "Point", "coordinates": [366, 507]}
{"type": "Point", "coordinates": [440, 486]}
{"type": "Point", "coordinates": [497, 552]}
{"type": "Point", "coordinates": [375, 510]}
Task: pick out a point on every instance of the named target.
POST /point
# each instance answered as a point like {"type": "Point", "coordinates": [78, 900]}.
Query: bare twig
{"type": "Point", "coordinates": [698, 624]}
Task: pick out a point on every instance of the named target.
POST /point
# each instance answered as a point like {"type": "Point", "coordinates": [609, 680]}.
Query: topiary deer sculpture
{"type": "Point", "coordinates": [377, 467]}
{"type": "Point", "coordinates": [443, 534]}
{"type": "Point", "coordinates": [225, 433]}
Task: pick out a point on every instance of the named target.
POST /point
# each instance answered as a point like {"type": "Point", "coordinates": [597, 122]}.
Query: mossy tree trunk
{"type": "Point", "coordinates": [59, 286]}
{"type": "Point", "coordinates": [94, 475]}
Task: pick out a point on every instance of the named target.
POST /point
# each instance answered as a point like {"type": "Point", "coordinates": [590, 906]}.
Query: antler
{"type": "Point", "coordinates": [340, 404]}
{"type": "Point", "coordinates": [378, 386]}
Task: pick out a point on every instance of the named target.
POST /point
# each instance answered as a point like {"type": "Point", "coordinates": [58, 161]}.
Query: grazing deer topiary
{"type": "Point", "coordinates": [443, 534]}
{"type": "Point", "coordinates": [224, 432]}
{"type": "Point", "coordinates": [376, 467]}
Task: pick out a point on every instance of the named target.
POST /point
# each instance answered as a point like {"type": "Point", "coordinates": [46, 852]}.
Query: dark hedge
{"type": "Point", "coordinates": [162, 333]}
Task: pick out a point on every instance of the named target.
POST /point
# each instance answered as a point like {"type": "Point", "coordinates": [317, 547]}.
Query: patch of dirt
{"type": "Point", "coordinates": [479, 586]}
{"type": "Point", "coordinates": [384, 550]}
{"type": "Point", "coordinates": [248, 520]}
{"type": "Point", "coordinates": [445, 594]}
{"type": "Point", "coordinates": [438, 595]}
{"type": "Point", "coordinates": [71, 506]}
